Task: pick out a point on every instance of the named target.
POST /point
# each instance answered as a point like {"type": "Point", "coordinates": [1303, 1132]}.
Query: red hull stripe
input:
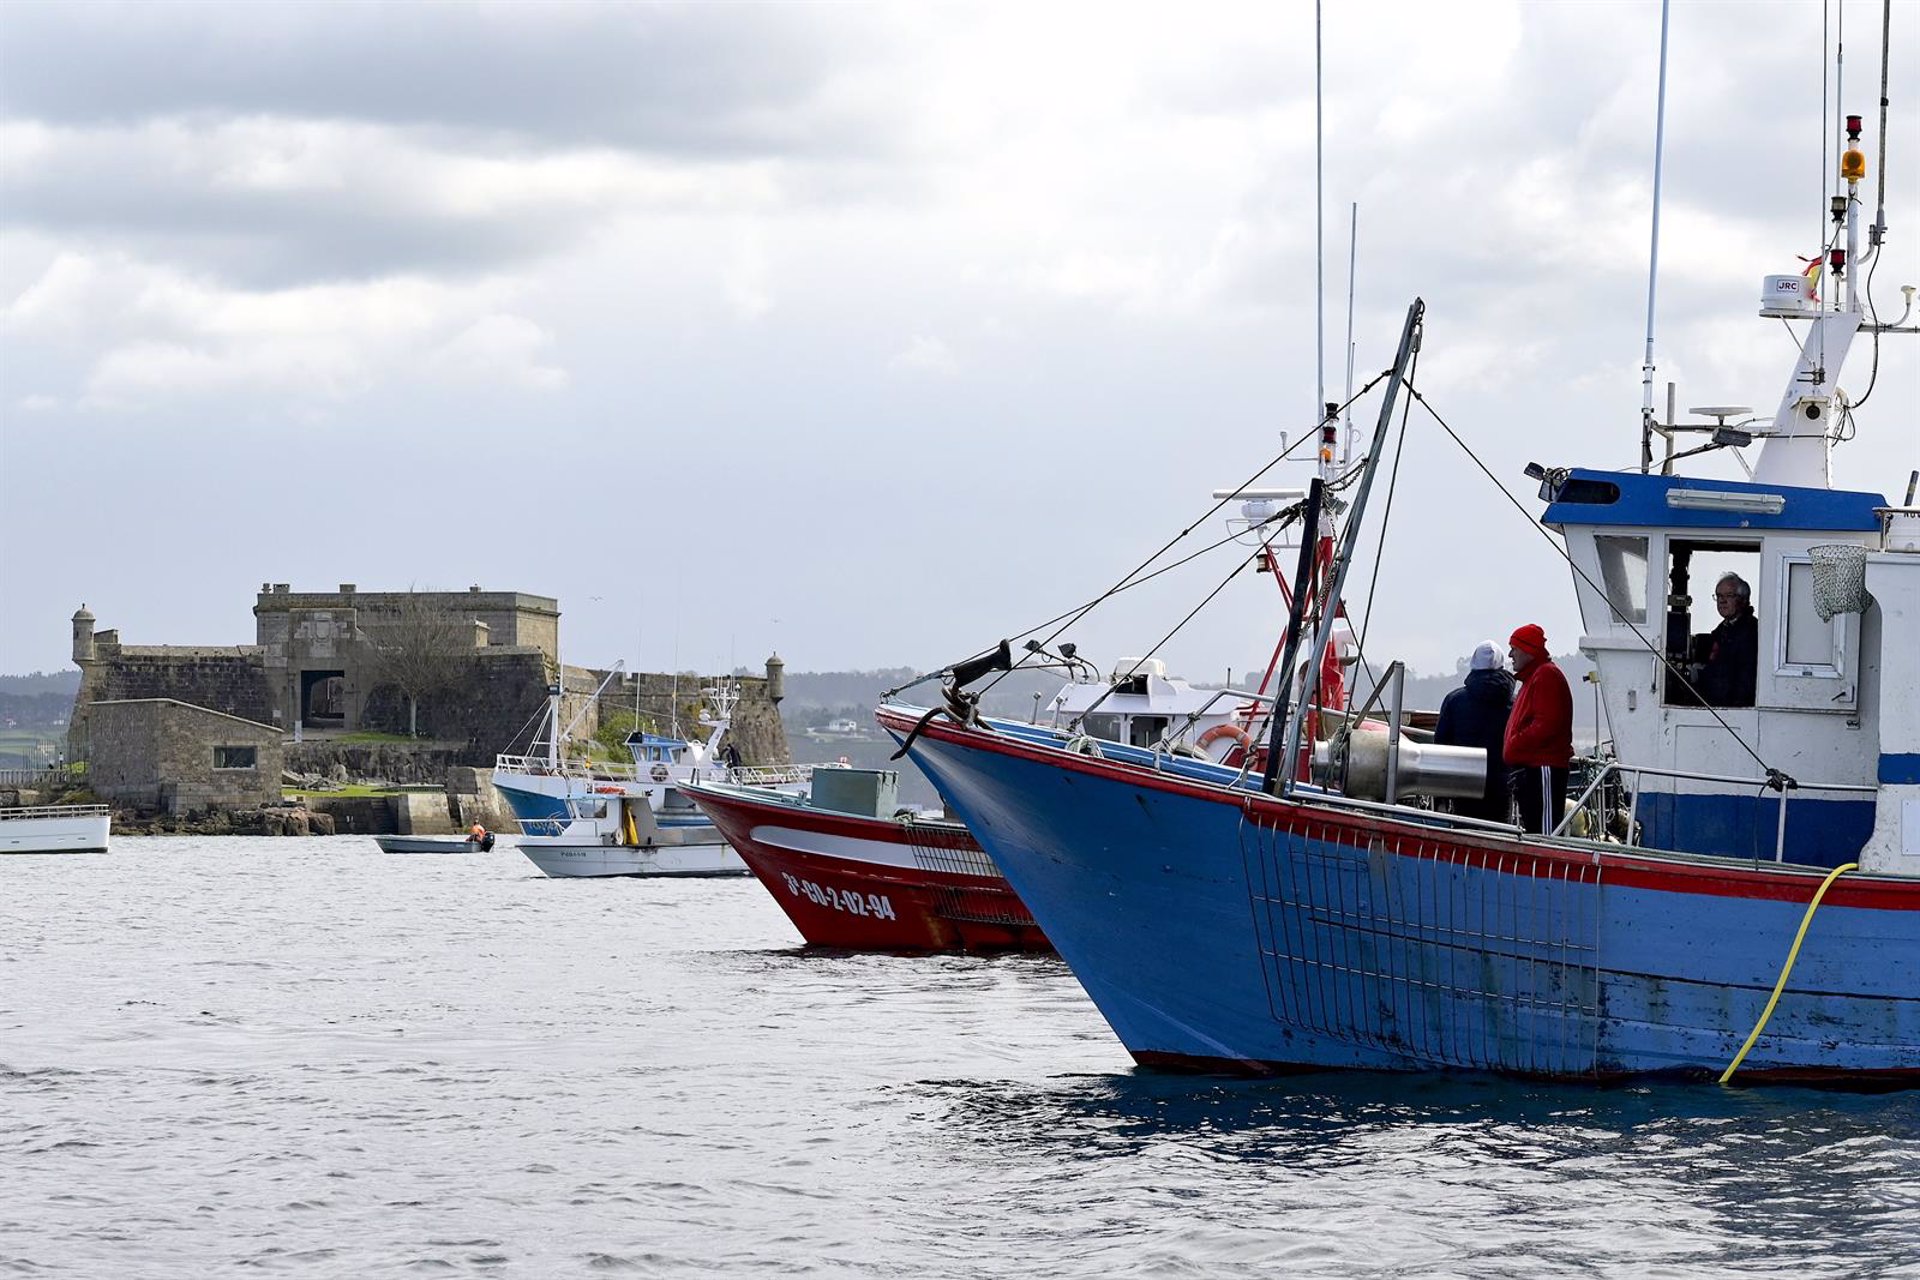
{"type": "Point", "coordinates": [1635, 870]}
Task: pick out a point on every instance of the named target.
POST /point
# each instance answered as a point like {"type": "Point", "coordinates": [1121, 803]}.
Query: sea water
{"type": "Point", "coordinates": [309, 1058]}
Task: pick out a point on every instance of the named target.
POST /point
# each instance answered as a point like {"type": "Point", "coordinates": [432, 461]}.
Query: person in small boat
{"type": "Point", "coordinates": [1539, 743]}
{"type": "Point", "coordinates": [1732, 648]}
{"type": "Point", "coordinates": [1475, 715]}
{"type": "Point", "coordinates": [481, 837]}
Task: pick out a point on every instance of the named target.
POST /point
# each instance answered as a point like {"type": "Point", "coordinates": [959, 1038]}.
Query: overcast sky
{"type": "Point", "coordinates": [866, 333]}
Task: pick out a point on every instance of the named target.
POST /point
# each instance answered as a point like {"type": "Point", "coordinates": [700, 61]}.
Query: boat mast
{"type": "Point", "coordinates": [1798, 445]}
{"type": "Point", "coordinates": [1653, 255]}
{"type": "Point", "coordinates": [1330, 610]}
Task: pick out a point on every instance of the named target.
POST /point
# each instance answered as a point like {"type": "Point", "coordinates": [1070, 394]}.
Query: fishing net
{"type": "Point", "coordinates": [1839, 579]}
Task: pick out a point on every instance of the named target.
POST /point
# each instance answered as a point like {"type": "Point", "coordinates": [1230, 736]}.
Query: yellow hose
{"type": "Point", "coordinates": [1787, 968]}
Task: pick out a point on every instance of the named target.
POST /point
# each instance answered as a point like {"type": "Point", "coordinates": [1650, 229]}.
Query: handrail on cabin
{"type": "Point", "coordinates": [1613, 767]}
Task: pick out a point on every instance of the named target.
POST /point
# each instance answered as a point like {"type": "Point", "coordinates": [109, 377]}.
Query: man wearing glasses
{"type": "Point", "coordinates": [1733, 648]}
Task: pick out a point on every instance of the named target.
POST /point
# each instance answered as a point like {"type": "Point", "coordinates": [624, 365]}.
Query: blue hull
{"type": "Point", "coordinates": [1221, 930]}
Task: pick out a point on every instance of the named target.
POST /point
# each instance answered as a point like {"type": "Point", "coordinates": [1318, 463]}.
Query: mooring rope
{"type": "Point", "coordinates": [1787, 968]}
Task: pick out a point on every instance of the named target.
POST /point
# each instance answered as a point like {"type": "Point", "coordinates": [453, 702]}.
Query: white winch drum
{"type": "Point", "coordinates": [1424, 769]}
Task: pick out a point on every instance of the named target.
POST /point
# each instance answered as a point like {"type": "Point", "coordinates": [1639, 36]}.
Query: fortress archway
{"type": "Point", "coordinates": [323, 699]}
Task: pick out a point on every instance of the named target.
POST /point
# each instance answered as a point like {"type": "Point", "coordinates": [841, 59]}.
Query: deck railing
{"type": "Point", "coordinates": [763, 775]}
{"type": "Point", "coordinates": [1613, 768]}
{"type": "Point", "coordinates": [55, 811]}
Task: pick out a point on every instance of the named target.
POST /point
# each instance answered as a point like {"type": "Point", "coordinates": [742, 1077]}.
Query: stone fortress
{"type": "Point", "coordinates": [409, 687]}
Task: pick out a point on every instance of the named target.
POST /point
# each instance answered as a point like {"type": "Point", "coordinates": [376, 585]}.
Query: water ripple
{"type": "Point", "coordinates": [307, 1058]}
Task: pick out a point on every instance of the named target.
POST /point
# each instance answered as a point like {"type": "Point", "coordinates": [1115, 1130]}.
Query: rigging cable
{"type": "Point", "coordinates": [1072, 616]}
{"type": "Point", "coordinates": [1776, 779]}
{"type": "Point", "coordinates": [1191, 614]}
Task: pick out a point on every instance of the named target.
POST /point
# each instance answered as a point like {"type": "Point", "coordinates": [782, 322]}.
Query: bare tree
{"type": "Point", "coordinates": [417, 649]}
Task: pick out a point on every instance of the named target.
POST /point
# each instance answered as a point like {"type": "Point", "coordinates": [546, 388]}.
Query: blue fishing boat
{"type": "Point", "coordinates": [1734, 892]}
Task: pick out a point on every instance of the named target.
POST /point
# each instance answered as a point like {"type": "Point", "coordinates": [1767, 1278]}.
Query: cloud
{"type": "Point", "coordinates": [664, 79]}
{"type": "Point", "coordinates": [276, 201]}
{"type": "Point", "coordinates": [506, 349]}
{"type": "Point", "coordinates": [149, 334]}
{"type": "Point", "coordinates": [926, 355]}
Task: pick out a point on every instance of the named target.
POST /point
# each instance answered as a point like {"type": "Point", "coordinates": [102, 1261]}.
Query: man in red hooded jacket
{"type": "Point", "coordinates": [1539, 741]}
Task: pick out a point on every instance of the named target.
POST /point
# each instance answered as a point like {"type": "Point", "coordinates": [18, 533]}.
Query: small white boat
{"type": "Point", "coordinates": [541, 787]}
{"type": "Point", "coordinates": [55, 828]}
{"type": "Point", "coordinates": [617, 835]}
{"type": "Point", "coordinates": [839, 731]}
{"type": "Point", "coordinates": [433, 844]}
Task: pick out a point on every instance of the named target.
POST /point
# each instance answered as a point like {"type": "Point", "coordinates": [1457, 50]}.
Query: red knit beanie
{"type": "Point", "coordinates": [1529, 639]}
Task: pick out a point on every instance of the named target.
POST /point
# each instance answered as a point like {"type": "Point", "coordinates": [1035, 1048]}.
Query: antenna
{"type": "Point", "coordinates": [1319, 238]}
{"type": "Point", "coordinates": [1653, 253]}
{"type": "Point", "coordinates": [1353, 249]}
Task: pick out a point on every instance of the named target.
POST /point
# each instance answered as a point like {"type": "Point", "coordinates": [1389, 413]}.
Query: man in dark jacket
{"type": "Point", "coordinates": [1539, 742]}
{"type": "Point", "coordinates": [1733, 647]}
{"type": "Point", "coordinates": [1475, 715]}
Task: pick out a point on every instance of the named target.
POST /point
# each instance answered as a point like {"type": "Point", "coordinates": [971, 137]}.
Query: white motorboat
{"type": "Point", "coordinates": [617, 835]}
{"type": "Point", "coordinates": [55, 828]}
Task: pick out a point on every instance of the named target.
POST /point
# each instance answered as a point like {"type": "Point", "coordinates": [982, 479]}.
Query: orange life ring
{"type": "Point", "coordinates": [606, 791]}
{"type": "Point", "coordinates": [1220, 731]}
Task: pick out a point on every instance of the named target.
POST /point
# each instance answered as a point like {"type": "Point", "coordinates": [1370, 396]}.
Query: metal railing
{"type": "Point", "coordinates": [56, 811]}
{"type": "Point", "coordinates": [764, 775]}
{"type": "Point", "coordinates": [48, 776]}
{"type": "Point", "coordinates": [1613, 768]}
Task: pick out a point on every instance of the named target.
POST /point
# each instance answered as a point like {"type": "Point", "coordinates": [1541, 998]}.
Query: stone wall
{"type": "Point", "coordinates": [161, 754]}
{"type": "Point", "coordinates": [401, 763]}
{"type": "Point", "coordinates": [228, 678]}
{"type": "Point", "coordinates": [514, 619]}
{"type": "Point", "coordinates": [499, 693]}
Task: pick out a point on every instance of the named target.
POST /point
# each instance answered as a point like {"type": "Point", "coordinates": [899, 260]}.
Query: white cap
{"type": "Point", "coordinates": [1489, 657]}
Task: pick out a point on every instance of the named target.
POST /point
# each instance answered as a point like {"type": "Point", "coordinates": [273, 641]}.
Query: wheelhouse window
{"type": "Point", "coordinates": [235, 757]}
{"type": "Point", "coordinates": [1808, 646]}
{"type": "Point", "coordinates": [1102, 725]}
{"type": "Point", "coordinates": [1712, 636]}
{"type": "Point", "coordinates": [1623, 576]}
{"type": "Point", "coordinates": [1144, 731]}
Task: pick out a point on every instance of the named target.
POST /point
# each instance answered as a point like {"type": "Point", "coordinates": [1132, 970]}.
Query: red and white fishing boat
{"type": "Point", "coordinates": [850, 870]}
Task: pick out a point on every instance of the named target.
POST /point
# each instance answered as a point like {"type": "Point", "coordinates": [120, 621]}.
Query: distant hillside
{"type": "Point", "coordinates": [67, 682]}
{"type": "Point", "coordinates": [38, 701]}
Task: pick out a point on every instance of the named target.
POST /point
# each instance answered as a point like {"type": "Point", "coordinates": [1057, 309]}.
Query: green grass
{"type": "Point", "coordinates": [356, 791]}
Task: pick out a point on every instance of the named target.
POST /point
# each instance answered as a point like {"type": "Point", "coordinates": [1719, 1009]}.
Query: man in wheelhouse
{"type": "Point", "coordinates": [1732, 648]}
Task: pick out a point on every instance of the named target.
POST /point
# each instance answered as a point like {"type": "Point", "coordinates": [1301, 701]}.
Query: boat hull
{"type": "Point", "coordinates": [1223, 930]}
{"type": "Point", "coordinates": [562, 858]}
{"type": "Point", "coordinates": [59, 829]}
{"type": "Point", "coordinates": [867, 883]}
{"type": "Point", "coordinates": [427, 844]}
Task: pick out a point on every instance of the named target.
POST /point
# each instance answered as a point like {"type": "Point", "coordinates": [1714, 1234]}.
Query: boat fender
{"type": "Point", "coordinates": [629, 830]}
{"type": "Point", "coordinates": [1189, 751]}
{"type": "Point", "coordinates": [1224, 732]}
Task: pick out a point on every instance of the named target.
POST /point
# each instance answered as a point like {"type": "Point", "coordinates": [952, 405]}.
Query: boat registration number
{"type": "Point", "coordinates": [876, 905]}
